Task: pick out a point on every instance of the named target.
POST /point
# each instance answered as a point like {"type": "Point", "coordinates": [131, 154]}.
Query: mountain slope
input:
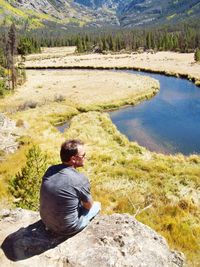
{"type": "Point", "coordinates": [97, 13]}
{"type": "Point", "coordinates": [143, 12]}
{"type": "Point", "coordinates": [37, 13]}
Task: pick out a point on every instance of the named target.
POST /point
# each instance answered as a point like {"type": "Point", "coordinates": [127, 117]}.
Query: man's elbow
{"type": "Point", "coordinates": [87, 205]}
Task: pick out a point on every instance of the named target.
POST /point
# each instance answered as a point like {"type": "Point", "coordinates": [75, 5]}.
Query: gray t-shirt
{"type": "Point", "coordinates": [62, 190]}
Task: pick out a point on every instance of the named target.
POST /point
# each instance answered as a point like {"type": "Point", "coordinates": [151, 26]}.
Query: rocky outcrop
{"type": "Point", "coordinates": [117, 240]}
{"type": "Point", "coordinates": [8, 135]}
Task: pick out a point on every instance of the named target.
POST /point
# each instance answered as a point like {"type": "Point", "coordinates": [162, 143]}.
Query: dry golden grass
{"type": "Point", "coordinates": [166, 62]}
{"type": "Point", "coordinates": [80, 88]}
{"type": "Point", "coordinates": [52, 52]}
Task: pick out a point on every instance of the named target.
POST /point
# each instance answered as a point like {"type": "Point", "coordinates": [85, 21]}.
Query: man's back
{"type": "Point", "coordinates": [62, 190]}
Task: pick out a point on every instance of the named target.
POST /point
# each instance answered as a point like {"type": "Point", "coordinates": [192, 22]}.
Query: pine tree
{"type": "Point", "coordinates": [79, 44]}
{"type": "Point", "coordinates": [25, 185]}
{"type": "Point", "coordinates": [148, 41]}
{"type": "Point", "coordinates": [11, 52]}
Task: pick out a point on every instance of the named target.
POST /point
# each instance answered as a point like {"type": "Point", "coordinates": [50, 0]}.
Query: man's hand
{"type": "Point", "coordinates": [87, 205]}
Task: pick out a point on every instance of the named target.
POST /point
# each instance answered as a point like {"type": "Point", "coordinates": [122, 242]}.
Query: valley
{"type": "Point", "coordinates": [162, 191]}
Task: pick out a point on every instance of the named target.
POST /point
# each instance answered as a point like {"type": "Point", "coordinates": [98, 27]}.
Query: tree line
{"type": "Point", "coordinates": [180, 39]}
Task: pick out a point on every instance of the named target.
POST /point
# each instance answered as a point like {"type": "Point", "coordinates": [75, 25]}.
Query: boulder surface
{"type": "Point", "coordinates": [109, 240]}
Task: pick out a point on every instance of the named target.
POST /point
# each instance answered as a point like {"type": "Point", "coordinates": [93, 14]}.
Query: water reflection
{"type": "Point", "coordinates": [62, 127]}
{"type": "Point", "coordinates": [167, 123]}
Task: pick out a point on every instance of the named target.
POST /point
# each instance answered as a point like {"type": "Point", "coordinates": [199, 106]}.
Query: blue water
{"type": "Point", "coordinates": [167, 123]}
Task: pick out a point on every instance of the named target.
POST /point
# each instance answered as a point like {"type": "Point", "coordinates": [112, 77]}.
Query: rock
{"type": "Point", "coordinates": [8, 135]}
{"type": "Point", "coordinates": [116, 240]}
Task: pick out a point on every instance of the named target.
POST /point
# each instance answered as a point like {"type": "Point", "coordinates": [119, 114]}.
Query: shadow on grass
{"type": "Point", "coordinates": [30, 241]}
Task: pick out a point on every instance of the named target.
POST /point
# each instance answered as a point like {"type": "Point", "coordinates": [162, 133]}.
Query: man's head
{"type": "Point", "coordinates": [72, 153]}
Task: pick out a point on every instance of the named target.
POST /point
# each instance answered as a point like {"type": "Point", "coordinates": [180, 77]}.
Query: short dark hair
{"type": "Point", "coordinates": [69, 148]}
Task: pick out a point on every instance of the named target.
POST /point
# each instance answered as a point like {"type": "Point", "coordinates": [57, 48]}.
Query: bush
{"type": "Point", "coordinates": [26, 183]}
{"type": "Point", "coordinates": [59, 98]}
{"type": "Point", "coordinates": [2, 87]}
{"type": "Point", "coordinates": [197, 55]}
{"type": "Point", "coordinates": [28, 104]}
{"type": "Point", "coordinates": [20, 123]}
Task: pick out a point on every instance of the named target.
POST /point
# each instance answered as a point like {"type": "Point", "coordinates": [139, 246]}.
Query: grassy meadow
{"type": "Point", "coordinates": [162, 191]}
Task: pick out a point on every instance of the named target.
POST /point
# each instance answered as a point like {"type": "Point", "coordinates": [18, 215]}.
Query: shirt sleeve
{"type": "Point", "coordinates": [84, 190]}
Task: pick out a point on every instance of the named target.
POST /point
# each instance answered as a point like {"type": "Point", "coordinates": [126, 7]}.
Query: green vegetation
{"type": "Point", "coordinates": [2, 73]}
{"type": "Point", "coordinates": [182, 38]}
{"type": "Point", "coordinates": [25, 184]}
{"type": "Point", "coordinates": [31, 19]}
{"type": "Point", "coordinates": [8, 74]}
{"type": "Point", "coordinates": [11, 45]}
{"type": "Point", "coordinates": [27, 46]}
{"type": "Point", "coordinates": [197, 55]}
{"type": "Point", "coordinates": [3, 87]}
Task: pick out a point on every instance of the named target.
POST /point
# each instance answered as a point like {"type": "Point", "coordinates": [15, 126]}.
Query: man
{"type": "Point", "coordinates": [66, 205]}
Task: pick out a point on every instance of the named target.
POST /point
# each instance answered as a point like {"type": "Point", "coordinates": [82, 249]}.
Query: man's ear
{"type": "Point", "coordinates": [73, 159]}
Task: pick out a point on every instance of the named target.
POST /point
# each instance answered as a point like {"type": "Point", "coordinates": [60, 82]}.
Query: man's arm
{"type": "Point", "coordinates": [87, 205]}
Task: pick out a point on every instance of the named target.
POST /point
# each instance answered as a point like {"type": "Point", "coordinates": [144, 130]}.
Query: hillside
{"type": "Point", "coordinates": [98, 13]}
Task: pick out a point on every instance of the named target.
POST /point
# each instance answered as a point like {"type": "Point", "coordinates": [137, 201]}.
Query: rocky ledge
{"type": "Point", "coordinates": [116, 240]}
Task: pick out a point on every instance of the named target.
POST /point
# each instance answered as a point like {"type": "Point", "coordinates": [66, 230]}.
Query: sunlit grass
{"type": "Point", "coordinates": [162, 190]}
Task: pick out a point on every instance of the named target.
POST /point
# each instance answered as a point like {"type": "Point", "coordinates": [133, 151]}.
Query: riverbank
{"type": "Point", "coordinates": [169, 63]}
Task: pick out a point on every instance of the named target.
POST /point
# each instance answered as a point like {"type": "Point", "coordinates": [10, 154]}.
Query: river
{"type": "Point", "coordinates": [167, 123]}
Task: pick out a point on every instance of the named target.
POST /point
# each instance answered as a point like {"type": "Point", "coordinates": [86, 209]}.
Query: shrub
{"type": "Point", "coordinates": [197, 55]}
{"type": "Point", "coordinates": [27, 105]}
{"type": "Point", "coordinates": [2, 87]}
{"type": "Point", "coordinates": [26, 183]}
{"type": "Point", "coordinates": [20, 123]}
{"type": "Point", "coordinates": [59, 98]}
{"type": "Point", "coordinates": [2, 153]}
